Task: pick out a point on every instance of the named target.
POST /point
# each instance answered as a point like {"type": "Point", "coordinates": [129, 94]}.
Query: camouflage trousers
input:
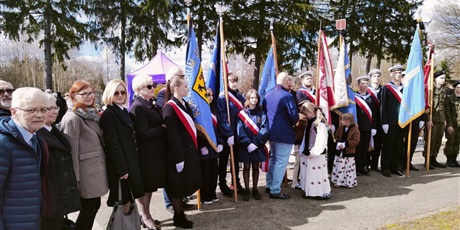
{"type": "Point", "coordinates": [453, 143]}
{"type": "Point", "coordinates": [437, 131]}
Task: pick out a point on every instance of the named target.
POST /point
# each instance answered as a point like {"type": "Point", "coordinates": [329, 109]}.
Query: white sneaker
{"type": "Point", "coordinates": [215, 200]}
{"type": "Point", "coordinates": [207, 202]}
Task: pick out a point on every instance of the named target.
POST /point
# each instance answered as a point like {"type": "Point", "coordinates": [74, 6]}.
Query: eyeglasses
{"type": "Point", "coordinates": [55, 108]}
{"type": "Point", "coordinates": [151, 86]}
{"type": "Point", "coordinates": [118, 93]}
{"type": "Point", "coordinates": [34, 110]}
{"type": "Point", "coordinates": [86, 94]}
{"type": "Point", "coordinates": [9, 91]}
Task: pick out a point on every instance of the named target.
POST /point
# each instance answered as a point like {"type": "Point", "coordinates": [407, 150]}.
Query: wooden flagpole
{"type": "Point", "coordinates": [225, 80]}
{"type": "Point", "coordinates": [430, 101]}
{"type": "Point", "coordinates": [188, 3]}
{"type": "Point", "coordinates": [409, 137]}
{"type": "Point", "coordinates": [275, 57]}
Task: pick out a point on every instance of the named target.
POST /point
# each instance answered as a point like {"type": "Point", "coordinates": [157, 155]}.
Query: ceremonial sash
{"type": "Point", "coordinates": [364, 106]}
{"type": "Point", "coordinates": [373, 94]}
{"type": "Point", "coordinates": [235, 101]}
{"type": "Point", "coordinates": [395, 92]}
{"type": "Point", "coordinates": [214, 120]}
{"type": "Point", "coordinates": [186, 120]}
{"type": "Point", "coordinates": [308, 94]}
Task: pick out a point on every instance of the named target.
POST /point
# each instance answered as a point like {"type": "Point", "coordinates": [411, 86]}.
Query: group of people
{"type": "Point", "coordinates": [51, 168]}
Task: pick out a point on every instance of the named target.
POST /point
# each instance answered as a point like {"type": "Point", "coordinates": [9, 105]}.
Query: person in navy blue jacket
{"type": "Point", "coordinates": [23, 162]}
{"type": "Point", "coordinates": [281, 110]}
{"type": "Point", "coordinates": [235, 101]}
{"type": "Point", "coordinates": [252, 132]}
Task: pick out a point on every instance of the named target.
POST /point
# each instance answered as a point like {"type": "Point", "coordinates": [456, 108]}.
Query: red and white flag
{"type": "Point", "coordinates": [325, 94]}
{"type": "Point", "coordinates": [427, 73]}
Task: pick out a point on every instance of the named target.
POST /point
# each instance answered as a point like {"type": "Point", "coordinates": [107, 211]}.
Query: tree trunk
{"type": "Point", "coordinates": [379, 62]}
{"type": "Point", "coordinates": [199, 33]}
{"type": "Point", "coordinates": [123, 42]}
{"type": "Point", "coordinates": [258, 55]}
{"type": "Point", "coordinates": [47, 43]}
{"type": "Point", "coordinates": [368, 63]}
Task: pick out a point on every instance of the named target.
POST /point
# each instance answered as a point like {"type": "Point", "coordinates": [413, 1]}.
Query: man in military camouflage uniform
{"type": "Point", "coordinates": [453, 126]}
{"type": "Point", "coordinates": [439, 120]}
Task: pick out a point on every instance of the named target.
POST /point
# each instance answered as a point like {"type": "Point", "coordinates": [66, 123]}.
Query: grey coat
{"type": "Point", "coordinates": [85, 137]}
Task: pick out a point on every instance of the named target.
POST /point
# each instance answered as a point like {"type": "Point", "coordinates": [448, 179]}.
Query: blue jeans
{"type": "Point", "coordinates": [279, 157]}
{"type": "Point", "coordinates": [166, 198]}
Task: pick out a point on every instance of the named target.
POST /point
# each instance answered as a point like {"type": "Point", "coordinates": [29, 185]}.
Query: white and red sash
{"type": "Point", "coordinates": [374, 95]}
{"type": "Point", "coordinates": [248, 122]}
{"type": "Point", "coordinates": [186, 120]}
{"type": "Point", "coordinates": [235, 101]}
{"type": "Point", "coordinates": [364, 106]}
{"type": "Point", "coordinates": [310, 96]}
{"type": "Point", "coordinates": [214, 120]}
{"type": "Point", "coordinates": [395, 91]}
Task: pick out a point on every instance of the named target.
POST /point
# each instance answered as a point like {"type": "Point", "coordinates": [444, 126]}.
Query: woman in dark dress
{"type": "Point", "coordinates": [63, 197]}
{"type": "Point", "coordinates": [182, 161]}
{"type": "Point", "coordinates": [252, 130]}
{"type": "Point", "coordinates": [120, 147]}
{"type": "Point", "coordinates": [151, 143]}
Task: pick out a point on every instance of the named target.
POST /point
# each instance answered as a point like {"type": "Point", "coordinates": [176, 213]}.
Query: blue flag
{"type": "Point", "coordinates": [413, 96]}
{"type": "Point", "coordinates": [351, 103]}
{"type": "Point", "coordinates": [214, 80]}
{"type": "Point", "coordinates": [196, 97]}
{"type": "Point", "coordinates": [268, 80]}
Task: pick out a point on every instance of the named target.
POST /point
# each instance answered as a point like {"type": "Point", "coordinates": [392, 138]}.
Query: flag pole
{"type": "Point", "coordinates": [220, 10]}
{"type": "Point", "coordinates": [275, 57]}
{"type": "Point", "coordinates": [189, 3]}
{"type": "Point", "coordinates": [409, 137]}
{"type": "Point", "coordinates": [430, 101]}
{"type": "Point", "coordinates": [317, 66]}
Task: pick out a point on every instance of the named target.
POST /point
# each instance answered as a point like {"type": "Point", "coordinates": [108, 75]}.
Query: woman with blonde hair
{"type": "Point", "coordinates": [81, 125]}
{"type": "Point", "coordinates": [314, 180]}
{"type": "Point", "coordinates": [122, 160]}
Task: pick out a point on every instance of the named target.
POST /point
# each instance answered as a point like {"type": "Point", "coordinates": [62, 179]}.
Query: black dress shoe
{"type": "Point", "coordinates": [386, 173]}
{"type": "Point", "coordinates": [366, 169]}
{"type": "Point", "coordinates": [376, 169]}
{"type": "Point", "coordinates": [180, 220]}
{"type": "Point", "coordinates": [226, 190]}
{"type": "Point", "coordinates": [187, 206]}
{"type": "Point", "coordinates": [267, 190]}
{"type": "Point", "coordinates": [279, 196]}
{"type": "Point", "coordinates": [397, 172]}
{"type": "Point", "coordinates": [413, 168]}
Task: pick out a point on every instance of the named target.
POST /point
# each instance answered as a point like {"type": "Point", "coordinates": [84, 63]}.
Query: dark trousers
{"type": "Point", "coordinates": [375, 154]}
{"type": "Point", "coordinates": [392, 148]}
{"type": "Point", "coordinates": [51, 223]}
{"type": "Point", "coordinates": [331, 151]}
{"type": "Point", "coordinates": [223, 161]}
{"type": "Point", "coordinates": [413, 142]}
{"type": "Point", "coordinates": [88, 211]}
{"type": "Point", "coordinates": [209, 174]}
{"type": "Point", "coordinates": [362, 154]}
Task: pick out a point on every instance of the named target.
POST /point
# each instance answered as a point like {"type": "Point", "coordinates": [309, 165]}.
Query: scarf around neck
{"type": "Point", "coordinates": [89, 114]}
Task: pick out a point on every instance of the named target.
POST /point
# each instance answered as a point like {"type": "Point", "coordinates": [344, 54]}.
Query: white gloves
{"type": "Point", "coordinates": [333, 128]}
{"type": "Point", "coordinates": [385, 128]}
{"type": "Point", "coordinates": [204, 151]}
{"type": "Point", "coordinates": [231, 140]}
{"type": "Point", "coordinates": [251, 147]}
{"type": "Point", "coordinates": [180, 166]}
{"type": "Point", "coordinates": [421, 124]}
{"type": "Point", "coordinates": [373, 132]}
{"type": "Point", "coordinates": [340, 145]}
{"type": "Point", "coordinates": [219, 148]}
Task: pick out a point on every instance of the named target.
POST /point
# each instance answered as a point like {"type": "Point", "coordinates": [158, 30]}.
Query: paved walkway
{"type": "Point", "coordinates": [376, 201]}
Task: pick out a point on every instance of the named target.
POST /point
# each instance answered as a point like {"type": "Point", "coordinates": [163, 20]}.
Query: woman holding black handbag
{"type": "Point", "coordinates": [122, 160]}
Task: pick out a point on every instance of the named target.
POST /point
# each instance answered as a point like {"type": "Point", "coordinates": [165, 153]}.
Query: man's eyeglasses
{"type": "Point", "coordinates": [9, 91]}
{"type": "Point", "coordinates": [55, 108]}
{"type": "Point", "coordinates": [86, 94]}
{"type": "Point", "coordinates": [118, 93]}
{"type": "Point", "coordinates": [34, 110]}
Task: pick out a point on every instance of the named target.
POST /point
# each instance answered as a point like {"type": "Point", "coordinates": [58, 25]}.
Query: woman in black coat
{"type": "Point", "coordinates": [183, 160]}
{"type": "Point", "coordinates": [63, 196]}
{"type": "Point", "coordinates": [151, 144]}
{"type": "Point", "coordinates": [120, 147]}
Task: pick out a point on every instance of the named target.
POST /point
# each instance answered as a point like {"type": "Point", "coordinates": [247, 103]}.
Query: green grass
{"type": "Point", "coordinates": [445, 220]}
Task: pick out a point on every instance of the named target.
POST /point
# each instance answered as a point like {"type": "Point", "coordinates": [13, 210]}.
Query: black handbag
{"type": "Point", "coordinates": [67, 224]}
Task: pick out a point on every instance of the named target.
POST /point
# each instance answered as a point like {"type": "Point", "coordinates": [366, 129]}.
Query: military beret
{"type": "Point", "coordinates": [375, 71]}
{"type": "Point", "coordinates": [439, 73]}
{"type": "Point", "coordinates": [365, 77]}
{"type": "Point", "coordinates": [396, 67]}
{"type": "Point", "coordinates": [456, 83]}
{"type": "Point", "coordinates": [306, 73]}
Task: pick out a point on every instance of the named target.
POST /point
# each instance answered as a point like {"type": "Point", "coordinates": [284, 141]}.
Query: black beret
{"type": "Point", "coordinates": [439, 73]}
{"type": "Point", "coordinates": [456, 83]}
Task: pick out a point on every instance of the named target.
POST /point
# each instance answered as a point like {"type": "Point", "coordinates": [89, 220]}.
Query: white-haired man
{"type": "Point", "coordinates": [23, 161]}
{"type": "Point", "coordinates": [281, 110]}
{"type": "Point", "coordinates": [6, 89]}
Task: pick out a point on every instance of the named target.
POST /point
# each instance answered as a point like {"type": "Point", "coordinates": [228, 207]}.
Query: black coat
{"type": "Point", "coordinates": [181, 148]}
{"type": "Point", "coordinates": [64, 197]}
{"type": "Point", "coordinates": [120, 148]}
{"type": "Point", "coordinates": [151, 143]}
